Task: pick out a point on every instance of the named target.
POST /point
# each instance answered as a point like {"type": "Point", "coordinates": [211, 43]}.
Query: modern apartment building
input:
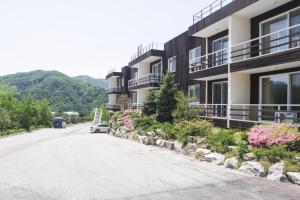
{"type": "Point", "coordinates": [241, 58]}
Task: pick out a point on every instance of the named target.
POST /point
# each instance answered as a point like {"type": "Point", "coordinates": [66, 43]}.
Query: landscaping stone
{"type": "Point", "coordinates": [254, 168]}
{"type": "Point", "coordinates": [160, 143]}
{"type": "Point", "coordinates": [169, 145]}
{"type": "Point", "coordinates": [152, 140]}
{"type": "Point", "coordinates": [231, 163]}
{"type": "Point", "coordinates": [151, 134]}
{"type": "Point", "coordinates": [249, 156]}
{"type": "Point", "coordinates": [294, 177]}
{"type": "Point", "coordinates": [201, 141]}
{"type": "Point", "coordinates": [178, 146]}
{"type": "Point", "coordinates": [232, 147]}
{"type": "Point", "coordinates": [201, 152]}
{"type": "Point", "coordinates": [215, 158]}
{"type": "Point", "coordinates": [190, 149]}
{"type": "Point", "coordinates": [297, 158]}
{"type": "Point", "coordinates": [276, 173]}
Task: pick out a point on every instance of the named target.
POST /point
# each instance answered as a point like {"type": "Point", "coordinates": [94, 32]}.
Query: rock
{"type": "Point", "coordinates": [178, 146]}
{"type": "Point", "coordinates": [151, 134]}
{"type": "Point", "coordinates": [231, 163]}
{"type": "Point", "coordinates": [201, 152]}
{"type": "Point", "coordinates": [297, 158]}
{"type": "Point", "coordinates": [192, 139]}
{"type": "Point", "coordinates": [249, 156]}
{"type": "Point", "coordinates": [232, 147]}
{"type": "Point", "coordinates": [294, 177]}
{"type": "Point", "coordinates": [152, 140]}
{"type": "Point", "coordinates": [160, 132]}
{"type": "Point", "coordinates": [190, 149]}
{"type": "Point", "coordinates": [254, 168]}
{"type": "Point", "coordinates": [160, 143]}
{"type": "Point", "coordinates": [201, 141]}
{"type": "Point", "coordinates": [276, 173]}
{"type": "Point", "coordinates": [169, 145]}
{"type": "Point", "coordinates": [215, 158]}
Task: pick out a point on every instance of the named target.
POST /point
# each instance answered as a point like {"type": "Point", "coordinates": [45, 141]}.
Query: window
{"type": "Point", "coordinates": [220, 48]}
{"type": "Point", "coordinates": [157, 69]}
{"type": "Point", "coordinates": [194, 92]}
{"type": "Point", "coordinates": [172, 64]}
{"type": "Point", "coordinates": [195, 55]}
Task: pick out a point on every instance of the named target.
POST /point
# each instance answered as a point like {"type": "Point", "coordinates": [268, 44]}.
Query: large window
{"type": "Point", "coordinates": [220, 98]}
{"type": "Point", "coordinates": [194, 92]}
{"type": "Point", "coordinates": [195, 55]}
{"type": "Point", "coordinates": [172, 64]}
{"type": "Point", "coordinates": [220, 49]}
{"type": "Point", "coordinates": [277, 38]}
{"type": "Point", "coordinates": [157, 69]}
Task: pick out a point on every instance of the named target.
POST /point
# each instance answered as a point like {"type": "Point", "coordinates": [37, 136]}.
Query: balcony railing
{"type": "Point", "coordinates": [113, 89]}
{"type": "Point", "coordinates": [205, 12]}
{"type": "Point", "coordinates": [153, 45]}
{"type": "Point", "coordinates": [112, 106]}
{"type": "Point", "coordinates": [275, 42]}
{"type": "Point", "coordinates": [255, 113]}
{"type": "Point", "coordinates": [211, 60]}
{"type": "Point", "coordinates": [149, 78]}
{"type": "Point", "coordinates": [135, 106]}
{"type": "Point", "coordinates": [211, 110]}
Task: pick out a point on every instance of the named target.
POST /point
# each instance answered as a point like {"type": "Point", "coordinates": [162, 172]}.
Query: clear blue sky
{"type": "Point", "coordinates": [85, 36]}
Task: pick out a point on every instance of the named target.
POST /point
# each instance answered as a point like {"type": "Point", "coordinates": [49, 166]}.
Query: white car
{"type": "Point", "coordinates": [100, 128]}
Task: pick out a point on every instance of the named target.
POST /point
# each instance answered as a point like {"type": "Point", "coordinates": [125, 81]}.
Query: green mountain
{"type": "Point", "coordinates": [63, 92]}
{"type": "Point", "coordinates": [93, 81]}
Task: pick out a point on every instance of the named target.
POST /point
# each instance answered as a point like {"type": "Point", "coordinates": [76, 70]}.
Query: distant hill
{"type": "Point", "coordinates": [93, 81]}
{"type": "Point", "coordinates": [63, 92]}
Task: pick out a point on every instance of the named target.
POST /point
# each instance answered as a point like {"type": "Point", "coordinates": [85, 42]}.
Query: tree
{"type": "Point", "coordinates": [183, 111]}
{"type": "Point", "coordinates": [26, 113]}
{"type": "Point", "coordinates": [43, 113]}
{"type": "Point", "coordinates": [150, 104]}
{"type": "Point", "coordinates": [4, 119]}
{"type": "Point", "coordinates": [123, 101]}
{"type": "Point", "coordinates": [166, 99]}
{"type": "Point", "coordinates": [105, 113]}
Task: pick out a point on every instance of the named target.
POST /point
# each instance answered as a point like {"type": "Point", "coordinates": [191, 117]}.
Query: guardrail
{"type": "Point", "coordinates": [113, 89]}
{"type": "Point", "coordinates": [148, 78]}
{"type": "Point", "coordinates": [205, 12]}
{"type": "Point", "coordinates": [211, 110]}
{"type": "Point", "coordinates": [135, 106]}
{"type": "Point", "coordinates": [112, 106]}
{"type": "Point", "coordinates": [153, 45]}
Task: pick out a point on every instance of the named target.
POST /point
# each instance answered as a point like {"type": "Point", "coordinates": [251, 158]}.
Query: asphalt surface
{"type": "Point", "coordinates": [72, 164]}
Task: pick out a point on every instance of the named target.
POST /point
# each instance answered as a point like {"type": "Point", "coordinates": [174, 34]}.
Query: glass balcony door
{"type": "Point", "coordinates": [220, 98]}
{"type": "Point", "coordinates": [220, 57]}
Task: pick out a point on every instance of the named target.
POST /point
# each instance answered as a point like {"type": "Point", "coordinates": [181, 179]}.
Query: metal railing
{"type": "Point", "coordinates": [112, 106]}
{"type": "Point", "coordinates": [113, 89]}
{"type": "Point", "coordinates": [210, 110]}
{"type": "Point", "coordinates": [135, 106]}
{"type": "Point", "coordinates": [275, 42]}
{"type": "Point", "coordinates": [211, 60]}
{"type": "Point", "coordinates": [148, 78]}
{"type": "Point", "coordinates": [153, 45]}
{"type": "Point", "coordinates": [205, 12]}
{"type": "Point", "coordinates": [266, 113]}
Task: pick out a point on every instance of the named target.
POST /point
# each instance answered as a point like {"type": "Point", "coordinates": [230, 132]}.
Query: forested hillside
{"type": "Point", "coordinates": [62, 92]}
{"type": "Point", "coordinates": [93, 81]}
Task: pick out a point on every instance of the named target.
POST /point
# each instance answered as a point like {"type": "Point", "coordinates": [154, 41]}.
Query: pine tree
{"type": "Point", "coordinates": [150, 104]}
{"type": "Point", "coordinates": [166, 99]}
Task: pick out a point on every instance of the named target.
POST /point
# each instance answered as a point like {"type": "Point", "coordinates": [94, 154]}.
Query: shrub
{"type": "Point", "coordinates": [220, 139]}
{"type": "Point", "coordinates": [240, 137]}
{"type": "Point", "coordinates": [242, 149]}
{"type": "Point", "coordinates": [116, 116]}
{"type": "Point", "coordinates": [150, 104]}
{"type": "Point", "coordinates": [273, 154]}
{"type": "Point", "coordinates": [145, 123]}
{"type": "Point", "coordinates": [273, 134]}
{"type": "Point", "coordinates": [195, 127]}
{"type": "Point", "coordinates": [291, 165]}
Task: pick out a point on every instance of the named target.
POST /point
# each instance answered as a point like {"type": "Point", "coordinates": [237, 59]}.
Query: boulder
{"type": "Point", "coordinates": [190, 149]}
{"type": "Point", "coordinates": [160, 143]}
{"type": "Point", "coordinates": [297, 158]}
{"type": "Point", "coordinates": [276, 173]}
{"type": "Point", "coordinates": [152, 140]}
{"type": "Point", "coordinates": [151, 134]}
{"type": "Point", "coordinates": [231, 163]}
{"type": "Point", "coordinates": [178, 146]}
{"type": "Point", "coordinates": [215, 158]}
{"type": "Point", "coordinates": [249, 156]}
{"type": "Point", "coordinates": [160, 133]}
{"type": "Point", "coordinates": [201, 140]}
{"type": "Point", "coordinates": [169, 145]}
{"type": "Point", "coordinates": [254, 168]}
{"type": "Point", "coordinates": [201, 152]}
{"type": "Point", "coordinates": [294, 177]}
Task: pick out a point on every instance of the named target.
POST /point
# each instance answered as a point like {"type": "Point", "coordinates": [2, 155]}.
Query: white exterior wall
{"type": "Point", "coordinates": [112, 98]}
{"type": "Point", "coordinates": [143, 69]}
{"type": "Point", "coordinates": [240, 88]}
{"type": "Point", "coordinates": [142, 95]}
{"type": "Point", "coordinates": [239, 29]}
{"type": "Point", "coordinates": [112, 82]}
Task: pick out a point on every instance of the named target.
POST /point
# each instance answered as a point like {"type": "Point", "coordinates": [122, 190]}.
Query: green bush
{"type": "Point", "coordinates": [291, 165]}
{"type": "Point", "coordinates": [294, 146]}
{"type": "Point", "coordinates": [195, 127]}
{"type": "Point", "coordinates": [146, 123]}
{"type": "Point", "coordinates": [220, 139]}
{"type": "Point", "coordinates": [240, 136]}
{"type": "Point", "coordinates": [242, 149]}
{"type": "Point", "coordinates": [273, 154]}
{"type": "Point", "coordinates": [116, 116]}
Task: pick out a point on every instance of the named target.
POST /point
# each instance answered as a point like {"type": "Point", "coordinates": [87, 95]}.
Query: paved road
{"type": "Point", "coordinates": [72, 164]}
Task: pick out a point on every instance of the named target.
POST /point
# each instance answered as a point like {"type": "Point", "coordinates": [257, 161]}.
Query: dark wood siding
{"type": "Point", "coordinates": [179, 47]}
{"type": "Point", "coordinates": [215, 37]}
{"type": "Point", "coordinates": [126, 75]}
{"type": "Point", "coordinates": [220, 14]}
{"type": "Point", "coordinates": [153, 63]}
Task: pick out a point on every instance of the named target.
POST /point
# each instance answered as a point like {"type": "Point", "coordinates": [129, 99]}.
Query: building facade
{"type": "Point", "coordinates": [240, 58]}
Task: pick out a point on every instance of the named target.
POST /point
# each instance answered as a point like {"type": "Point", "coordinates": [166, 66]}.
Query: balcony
{"type": "Point", "coordinates": [135, 106]}
{"type": "Point", "coordinates": [112, 106]}
{"type": "Point", "coordinates": [151, 46]}
{"type": "Point", "coordinates": [214, 59]}
{"type": "Point", "coordinates": [251, 113]}
{"type": "Point", "coordinates": [149, 80]}
{"type": "Point", "coordinates": [113, 90]}
{"type": "Point", "coordinates": [205, 12]}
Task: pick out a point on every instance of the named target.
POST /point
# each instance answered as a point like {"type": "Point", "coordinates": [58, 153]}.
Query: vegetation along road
{"type": "Point", "coordinates": [73, 164]}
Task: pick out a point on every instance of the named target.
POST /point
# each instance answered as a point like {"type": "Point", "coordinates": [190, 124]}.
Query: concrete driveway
{"type": "Point", "coordinates": [72, 164]}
